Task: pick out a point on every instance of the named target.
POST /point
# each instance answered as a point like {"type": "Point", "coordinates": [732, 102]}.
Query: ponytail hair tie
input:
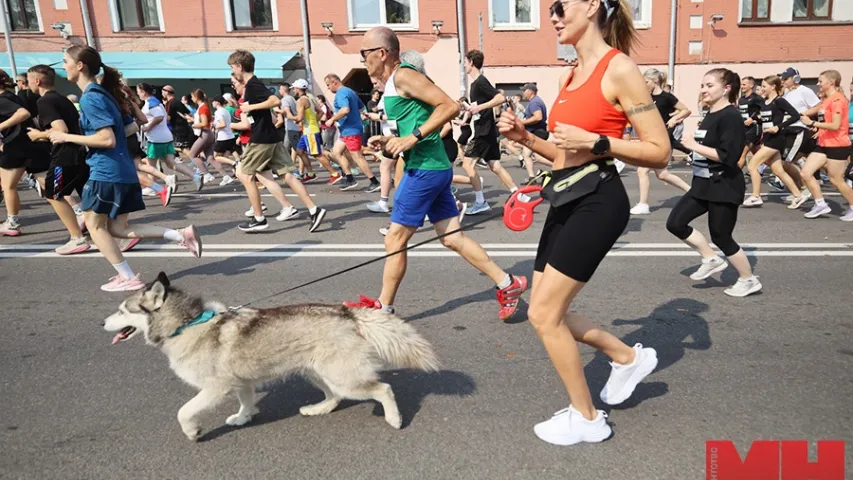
{"type": "Point", "coordinates": [610, 6]}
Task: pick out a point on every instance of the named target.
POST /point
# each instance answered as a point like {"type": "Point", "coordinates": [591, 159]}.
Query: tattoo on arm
{"type": "Point", "coordinates": [641, 108]}
{"type": "Point", "coordinates": [528, 142]}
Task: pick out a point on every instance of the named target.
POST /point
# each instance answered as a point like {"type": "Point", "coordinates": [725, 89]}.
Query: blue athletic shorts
{"type": "Point", "coordinates": [311, 143]}
{"type": "Point", "coordinates": [422, 193]}
{"type": "Point", "coordinates": [112, 199]}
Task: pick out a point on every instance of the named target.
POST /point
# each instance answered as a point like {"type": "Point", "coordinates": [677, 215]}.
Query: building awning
{"type": "Point", "coordinates": [167, 65]}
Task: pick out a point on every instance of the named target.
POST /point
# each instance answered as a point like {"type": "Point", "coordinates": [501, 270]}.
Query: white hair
{"type": "Point", "coordinates": [414, 58]}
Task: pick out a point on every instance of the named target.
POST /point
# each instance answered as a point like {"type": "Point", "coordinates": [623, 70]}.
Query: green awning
{"type": "Point", "coordinates": [166, 65]}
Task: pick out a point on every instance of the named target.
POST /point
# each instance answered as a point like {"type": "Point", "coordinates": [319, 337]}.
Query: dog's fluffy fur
{"type": "Point", "coordinates": [340, 350]}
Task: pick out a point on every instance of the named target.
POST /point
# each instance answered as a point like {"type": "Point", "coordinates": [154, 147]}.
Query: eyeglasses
{"type": "Point", "coordinates": [366, 51]}
{"type": "Point", "coordinates": [558, 8]}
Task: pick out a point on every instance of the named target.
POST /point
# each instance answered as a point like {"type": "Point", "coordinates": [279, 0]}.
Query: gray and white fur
{"type": "Point", "coordinates": [338, 349]}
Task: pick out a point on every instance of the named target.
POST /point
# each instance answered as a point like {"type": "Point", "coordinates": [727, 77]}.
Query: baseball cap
{"type": "Point", "coordinates": [301, 84]}
{"type": "Point", "coordinates": [789, 72]}
{"type": "Point", "coordinates": [227, 96]}
{"type": "Point", "coordinates": [529, 86]}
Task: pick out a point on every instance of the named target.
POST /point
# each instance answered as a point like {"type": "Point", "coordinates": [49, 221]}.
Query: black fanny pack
{"type": "Point", "coordinates": [569, 184]}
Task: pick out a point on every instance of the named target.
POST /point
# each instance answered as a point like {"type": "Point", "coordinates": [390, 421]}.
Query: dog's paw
{"type": "Point", "coordinates": [321, 408]}
{"type": "Point", "coordinates": [237, 420]}
{"type": "Point", "coordinates": [193, 434]}
{"type": "Point", "coordinates": [395, 421]}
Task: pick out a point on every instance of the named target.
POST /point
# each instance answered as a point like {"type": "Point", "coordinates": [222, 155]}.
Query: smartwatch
{"type": "Point", "coordinates": [601, 146]}
{"type": "Point", "coordinates": [417, 133]}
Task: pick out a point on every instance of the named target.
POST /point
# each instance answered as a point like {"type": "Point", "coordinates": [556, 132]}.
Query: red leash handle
{"type": "Point", "coordinates": [518, 214]}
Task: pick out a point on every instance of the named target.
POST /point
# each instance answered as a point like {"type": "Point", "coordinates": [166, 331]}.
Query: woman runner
{"type": "Point", "coordinates": [596, 100]}
{"type": "Point", "coordinates": [113, 189]}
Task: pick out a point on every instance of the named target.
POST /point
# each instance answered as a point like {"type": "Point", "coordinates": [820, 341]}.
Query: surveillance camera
{"type": "Point", "coordinates": [58, 26]}
{"type": "Point", "coordinates": [717, 17]}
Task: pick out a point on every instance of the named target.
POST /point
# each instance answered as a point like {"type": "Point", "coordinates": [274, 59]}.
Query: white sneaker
{"type": "Point", "coordinates": [624, 378]}
{"type": "Point", "coordinates": [208, 178]}
{"type": "Point", "coordinates": [797, 202]}
{"type": "Point", "coordinates": [848, 217]}
{"type": "Point", "coordinates": [251, 211]}
{"type": "Point", "coordinates": [226, 180]}
{"type": "Point", "coordinates": [753, 201]}
{"type": "Point", "coordinates": [709, 267]}
{"type": "Point", "coordinates": [568, 427]}
{"type": "Point", "coordinates": [641, 209]}
{"type": "Point", "coordinates": [744, 287]}
{"type": "Point", "coordinates": [818, 210]}
{"type": "Point", "coordinates": [287, 214]}
{"type": "Point", "coordinates": [377, 207]}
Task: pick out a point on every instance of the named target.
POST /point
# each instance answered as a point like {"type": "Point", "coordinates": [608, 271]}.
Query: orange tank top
{"type": "Point", "coordinates": [586, 107]}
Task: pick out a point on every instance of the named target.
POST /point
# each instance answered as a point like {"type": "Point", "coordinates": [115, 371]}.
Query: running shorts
{"type": "Point", "coordinates": [798, 141]}
{"type": "Point", "coordinates": [61, 181]}
{"type": "Point", "coordinates": [225, 146]}
{"type": "Point", "coordinates": [311, 143]}
{"type": "Point", "coordinates": [485, 148]}
{"type": "Point", "coordinates": [260, 157]}
{"type": "Point", "coordinates": [834, 153]}
{"type": "Point", "coordinates": [424, 193]}
{"type": "Point", "coordinates": [353, 142]}
{"type": "Point", "coordinates": [112, 199]}
{"type": "Point", "coordinates": [578, 235]}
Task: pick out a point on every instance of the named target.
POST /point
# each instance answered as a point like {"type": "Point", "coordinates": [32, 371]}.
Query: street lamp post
{"type": "Point", "coordinates": [9, 48]}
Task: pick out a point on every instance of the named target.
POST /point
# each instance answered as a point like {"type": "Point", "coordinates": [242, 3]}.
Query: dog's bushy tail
{"type": "Point", "coordinates": [398, 344]}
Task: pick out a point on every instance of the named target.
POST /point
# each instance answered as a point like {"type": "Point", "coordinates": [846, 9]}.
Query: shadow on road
{"type": "Point", "coordinates": [411, 387]}
{"type": "Point", "coordinates": [671, 329]}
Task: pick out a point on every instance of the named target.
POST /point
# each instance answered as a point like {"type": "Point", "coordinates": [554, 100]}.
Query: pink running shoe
{"type": "Point", "coordinates": [118, 284]}
{"type": "Point", "coordinates": [191, 241]}
{"type": "Point", "coordinates": [126, 244]}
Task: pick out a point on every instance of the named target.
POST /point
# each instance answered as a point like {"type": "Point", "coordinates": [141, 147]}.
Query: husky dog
{"type": "Point", "coordinates": [339, 350]}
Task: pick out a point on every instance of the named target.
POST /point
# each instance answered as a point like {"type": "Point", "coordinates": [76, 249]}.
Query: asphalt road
{"type": "Point", "coordinates": [771, 366]}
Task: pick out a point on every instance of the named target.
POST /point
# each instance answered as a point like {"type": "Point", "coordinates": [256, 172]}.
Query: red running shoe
{"type": "Point", "coordinates": [508, 297]}
{"type": "Point", "coordinates": [364, 302]}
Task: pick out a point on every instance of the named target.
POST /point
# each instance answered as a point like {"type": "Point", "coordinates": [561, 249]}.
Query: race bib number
{"type": "Point", "coordinates": [390, 129]}
{"type": "Point", "coordinates": [699, 136]}
{"type": "Point", "coordinates": [767, 126]}
{"type": "Point", "coordinates": [251, 120]}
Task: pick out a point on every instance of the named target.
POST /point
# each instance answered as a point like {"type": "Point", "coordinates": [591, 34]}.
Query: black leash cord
{"type": "Point", "coordinates": [349, 269]}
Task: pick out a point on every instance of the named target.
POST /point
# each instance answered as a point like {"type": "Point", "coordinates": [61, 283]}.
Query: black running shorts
{"type": "Point", "coordinates": [485, 148]}
{"type": "Point", "coordinates": [578, 235]}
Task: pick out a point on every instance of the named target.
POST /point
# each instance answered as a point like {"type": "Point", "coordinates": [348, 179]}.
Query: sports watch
{"type": "Point", "coordinates": [601, 146]}
{"type": "Point", "coordinates": [417, 133]}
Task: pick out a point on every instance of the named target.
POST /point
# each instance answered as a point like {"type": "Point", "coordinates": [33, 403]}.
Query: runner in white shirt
{"type": "Point", "coordinates": [800, 139]}
{"type": "Point", "coordinates": [226, 142]}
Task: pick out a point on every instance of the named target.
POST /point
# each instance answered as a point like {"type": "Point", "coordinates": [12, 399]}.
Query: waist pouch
{"type": "Point", "coordinates": [570, 184]}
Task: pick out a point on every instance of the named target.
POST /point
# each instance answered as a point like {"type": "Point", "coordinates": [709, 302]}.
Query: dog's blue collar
{"type": "Point", "coordinates": [203, 317]}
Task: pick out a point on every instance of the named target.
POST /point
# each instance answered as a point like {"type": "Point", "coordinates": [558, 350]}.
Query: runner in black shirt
{"type": "Point", "coordinates": [718, 184]}
{"type": "Point", "coordinates": [673, 113]}
{"type": "Point", "coordinates": [265, 152]}
{"type": "Point", "coordinates": [68, 171]}
{"type": "Point", "coordinates": [484, 145]}
{"type": "Point", "coordinates": [773, 142]}
{"type": "Point", "coordinates": [749, 106]}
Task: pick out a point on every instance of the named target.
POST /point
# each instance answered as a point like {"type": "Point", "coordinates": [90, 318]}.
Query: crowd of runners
{"type": "Point", "coordinates": [93, 158]}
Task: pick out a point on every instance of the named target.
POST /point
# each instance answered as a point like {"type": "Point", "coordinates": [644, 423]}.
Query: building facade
{"type": "Point", "coordinates": [185, 42]}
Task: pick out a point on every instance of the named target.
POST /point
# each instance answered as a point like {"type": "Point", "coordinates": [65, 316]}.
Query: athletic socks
{"type": "Point", "coordinates": [820, 202]}
{"type": "Point", "coordinates": [124, 270]}
{"type": "Point", "coordinates": [172, 235]}
{"type": "Point", "coordinates": [77, 210]}
{"type": "Point", "coordinates": [350, 178]}
{"type": "Point", "coordinates": [479, 197]}
{"type": "Point", "coordinates": [383, 201]}
{"type": "Point", "coordinates": [312, 210]}
{"type": "Point", "coordinates": [386, 308]}
{"type": "Point", "coordinates": [505, 283]}
{"type": "Point", "coordinates": [13, 219]}
{"type": "Point", "coordinates": [259, 219]}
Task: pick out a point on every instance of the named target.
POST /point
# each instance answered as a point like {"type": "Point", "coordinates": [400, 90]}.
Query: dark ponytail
{"type": "Point", "coordinates": [730, 78]}
{"type": "Point", "coordinates": [111, 79]}
{"type": "Point", "coordinates": [616, 21]}
{"type": "Point", "coordinates": [199, 94]}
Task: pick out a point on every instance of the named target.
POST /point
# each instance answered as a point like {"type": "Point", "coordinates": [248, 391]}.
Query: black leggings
{"type": "Point", "coordinates": [721, 221]}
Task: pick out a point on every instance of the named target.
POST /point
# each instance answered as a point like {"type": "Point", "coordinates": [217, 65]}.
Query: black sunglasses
{"type": "Point", "coordinates": [557, 9]}
{"type": "Point", "coordinates": [366, 51]}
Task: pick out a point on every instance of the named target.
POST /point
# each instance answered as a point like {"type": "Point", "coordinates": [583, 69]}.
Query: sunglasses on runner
{"type": "Point", "coordinates": [367, 51]}
{"type": "Point", "coordinates": [558, 8]}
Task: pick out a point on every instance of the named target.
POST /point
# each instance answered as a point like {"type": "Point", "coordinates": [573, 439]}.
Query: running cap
{"type": "Point", "coordinates": [227, 96]}
{"type": "Point", "coordinates": [530, 86]}
{"type": "Point", "coordinates": [301, 84]}
{"type": "Point", "coordinates": [789, 72]}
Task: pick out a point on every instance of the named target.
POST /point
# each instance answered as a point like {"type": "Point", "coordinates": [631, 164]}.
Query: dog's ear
{"type": "Point", "coordinates": [155, 296]}
{"type": "Point", "coordinates": [162, 278]}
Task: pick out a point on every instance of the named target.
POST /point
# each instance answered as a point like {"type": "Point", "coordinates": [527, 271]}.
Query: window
{"type": "Point", "coordinates": [642, 13]}
{"type": "Point", "coordinates": [514, 14]}
{"type": "Point", "coordinates": [23, 15]}
{"type": "Point", "coordinates": [138, 14]}
{"type": "Point", "coordinates": [812, 9]}
{"type": "Point", "coordinates": [396, 14]}
{"type": "Point", "coordinates": [755, 10]}
{"type": "Point", "coordinates": [252, 14]}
